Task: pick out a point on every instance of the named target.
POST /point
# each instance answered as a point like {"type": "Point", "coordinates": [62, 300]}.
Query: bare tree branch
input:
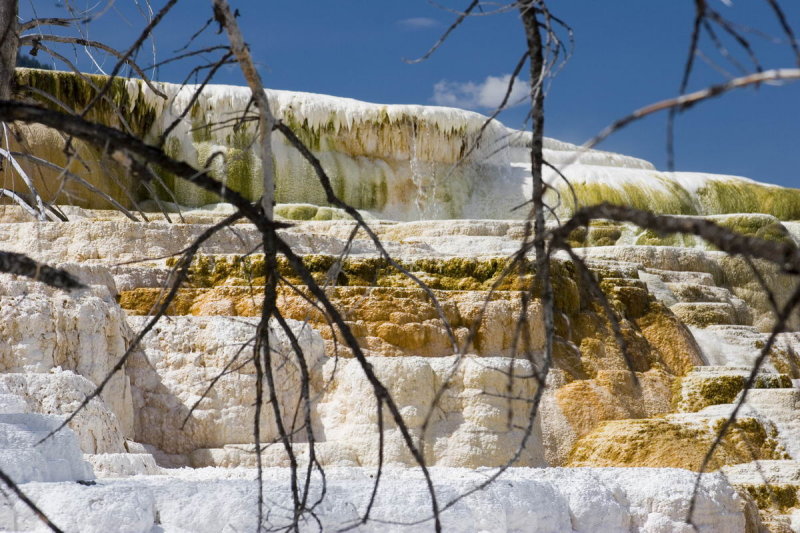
{"type": "Point", "coordinates": [446, 34]}
{"type": "Point", "coordinates": [787, 28]}
{"type": "Point", "coordinates": [134, 47]}
{"type": "Point", "coordinates": [222, 13]}
{"type": "Point", "coordinates": [115, 140]}
{"type": "Point", "coordinates": [28, 502]}
{"type": "Point", "coordinates": [33, 40]}
{"type": "Point", "coordinates": [686, 101]}
{"type": "Point", "coordinates": [52, 21]}
{"type": "Point", "coordinates": [786, 256]}
{"type": "Point", "coordinates": [22, 265]}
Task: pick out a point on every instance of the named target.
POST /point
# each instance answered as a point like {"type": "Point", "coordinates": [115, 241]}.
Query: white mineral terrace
{"type": "Point", "coordinates": [603, 455]}
{"type": "Point", "coordinates": [398, 162]}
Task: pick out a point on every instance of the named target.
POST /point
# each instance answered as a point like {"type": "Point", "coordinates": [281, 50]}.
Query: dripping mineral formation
{"type": "Point", "coordinates": [694, 319]}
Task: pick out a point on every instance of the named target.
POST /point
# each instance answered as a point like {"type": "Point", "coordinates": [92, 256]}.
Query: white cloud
{"type": "Point", "coordinates": [486, 95]}
{"type": "Point", "coordinates": [417, 23]}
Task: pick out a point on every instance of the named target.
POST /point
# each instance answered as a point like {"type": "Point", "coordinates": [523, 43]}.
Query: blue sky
{"type": "Point", "coordinates": [627, 53]}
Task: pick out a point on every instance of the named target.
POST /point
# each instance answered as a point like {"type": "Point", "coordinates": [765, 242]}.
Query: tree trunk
{"type": "Point", "coordinates": [9, 43]}
{"type": "Point", "coordinates": [226, 18]}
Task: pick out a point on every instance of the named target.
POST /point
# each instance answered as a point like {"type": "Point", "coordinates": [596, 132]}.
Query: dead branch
{"type": "Point", "coordinates": [786, 256]}
{"type": "Point", "coordinates": [51, 21]}
{"type": "Point", "coordinates": [262, 351]}
{"type": "Point", "coordinates": [22, 265]}
{"type": "Point", "coordinates": [684, 102]}
{"type": "Point", "coordinates": [529, 12]}
{"type": "Point", "coordinates": [223, 15]}
{"type": "Point", "coordinates": [443, 38]}
{"type": "Point", "coordinates": [28, 502]}
{"type": "Point", "coordinates": [34, 40]}
{"type": "Point", "coordinates": [115, 140]}
{"type": "Point", "coordinates": [181, 275]}
{"type": "Point", "coordinates": [787, 28]}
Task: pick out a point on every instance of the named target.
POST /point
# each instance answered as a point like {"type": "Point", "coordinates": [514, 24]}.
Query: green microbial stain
{"type": "Point", "coordinates": [239, 171]}
{"type": "Point", "coordinates": [728, 196]}
{"type": "Point", "coordinates": [675, 200]}
{"type": "Point", "coordinates": [119, 108]}
{"type": "Point", "coordinates": [201, 132]}
{"type": "Point", "coordinates": [297, 211]}
{"type": "Point", "coordinates": [773, 496]}
{"type": "Point", "coordinates": [761, 226]}
{"type": "Point", "coordinates": [653, 238]}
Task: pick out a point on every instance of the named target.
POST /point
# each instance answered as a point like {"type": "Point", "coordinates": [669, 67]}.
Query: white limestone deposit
{"type": "Point", "coordinates": [60, 392]}
{"type": "Point", "coordinates": [404, 162]}
{"type": "Point", "coordinates": [24, 458]}
{"type": "Point", "coordinates": [187, 352]}
{"type": "Point", "coordinates": [522, 500]}
{"type": "Point", "coordinates": [85, 332]}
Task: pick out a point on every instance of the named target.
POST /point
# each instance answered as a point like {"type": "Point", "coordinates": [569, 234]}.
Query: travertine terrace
{"type": "Point", "coordinates": [615, 445]}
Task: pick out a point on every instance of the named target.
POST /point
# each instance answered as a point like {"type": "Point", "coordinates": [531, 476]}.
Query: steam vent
{"type": "Point", "coordinates": [618, 438]}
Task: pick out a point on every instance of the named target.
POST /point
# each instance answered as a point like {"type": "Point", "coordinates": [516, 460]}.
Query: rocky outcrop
{"type": "Point", "coordinates": [44, 329]}
{"type": "Point", "coordinates": [178, 410]}
{"type": "Point", "coordinates": [58, 392]}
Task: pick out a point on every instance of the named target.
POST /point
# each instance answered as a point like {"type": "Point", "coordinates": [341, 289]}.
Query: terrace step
{"type": "Point", "coordinates": [712, 385]}
{"type": "Point", "coordinates": [704, 314]}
